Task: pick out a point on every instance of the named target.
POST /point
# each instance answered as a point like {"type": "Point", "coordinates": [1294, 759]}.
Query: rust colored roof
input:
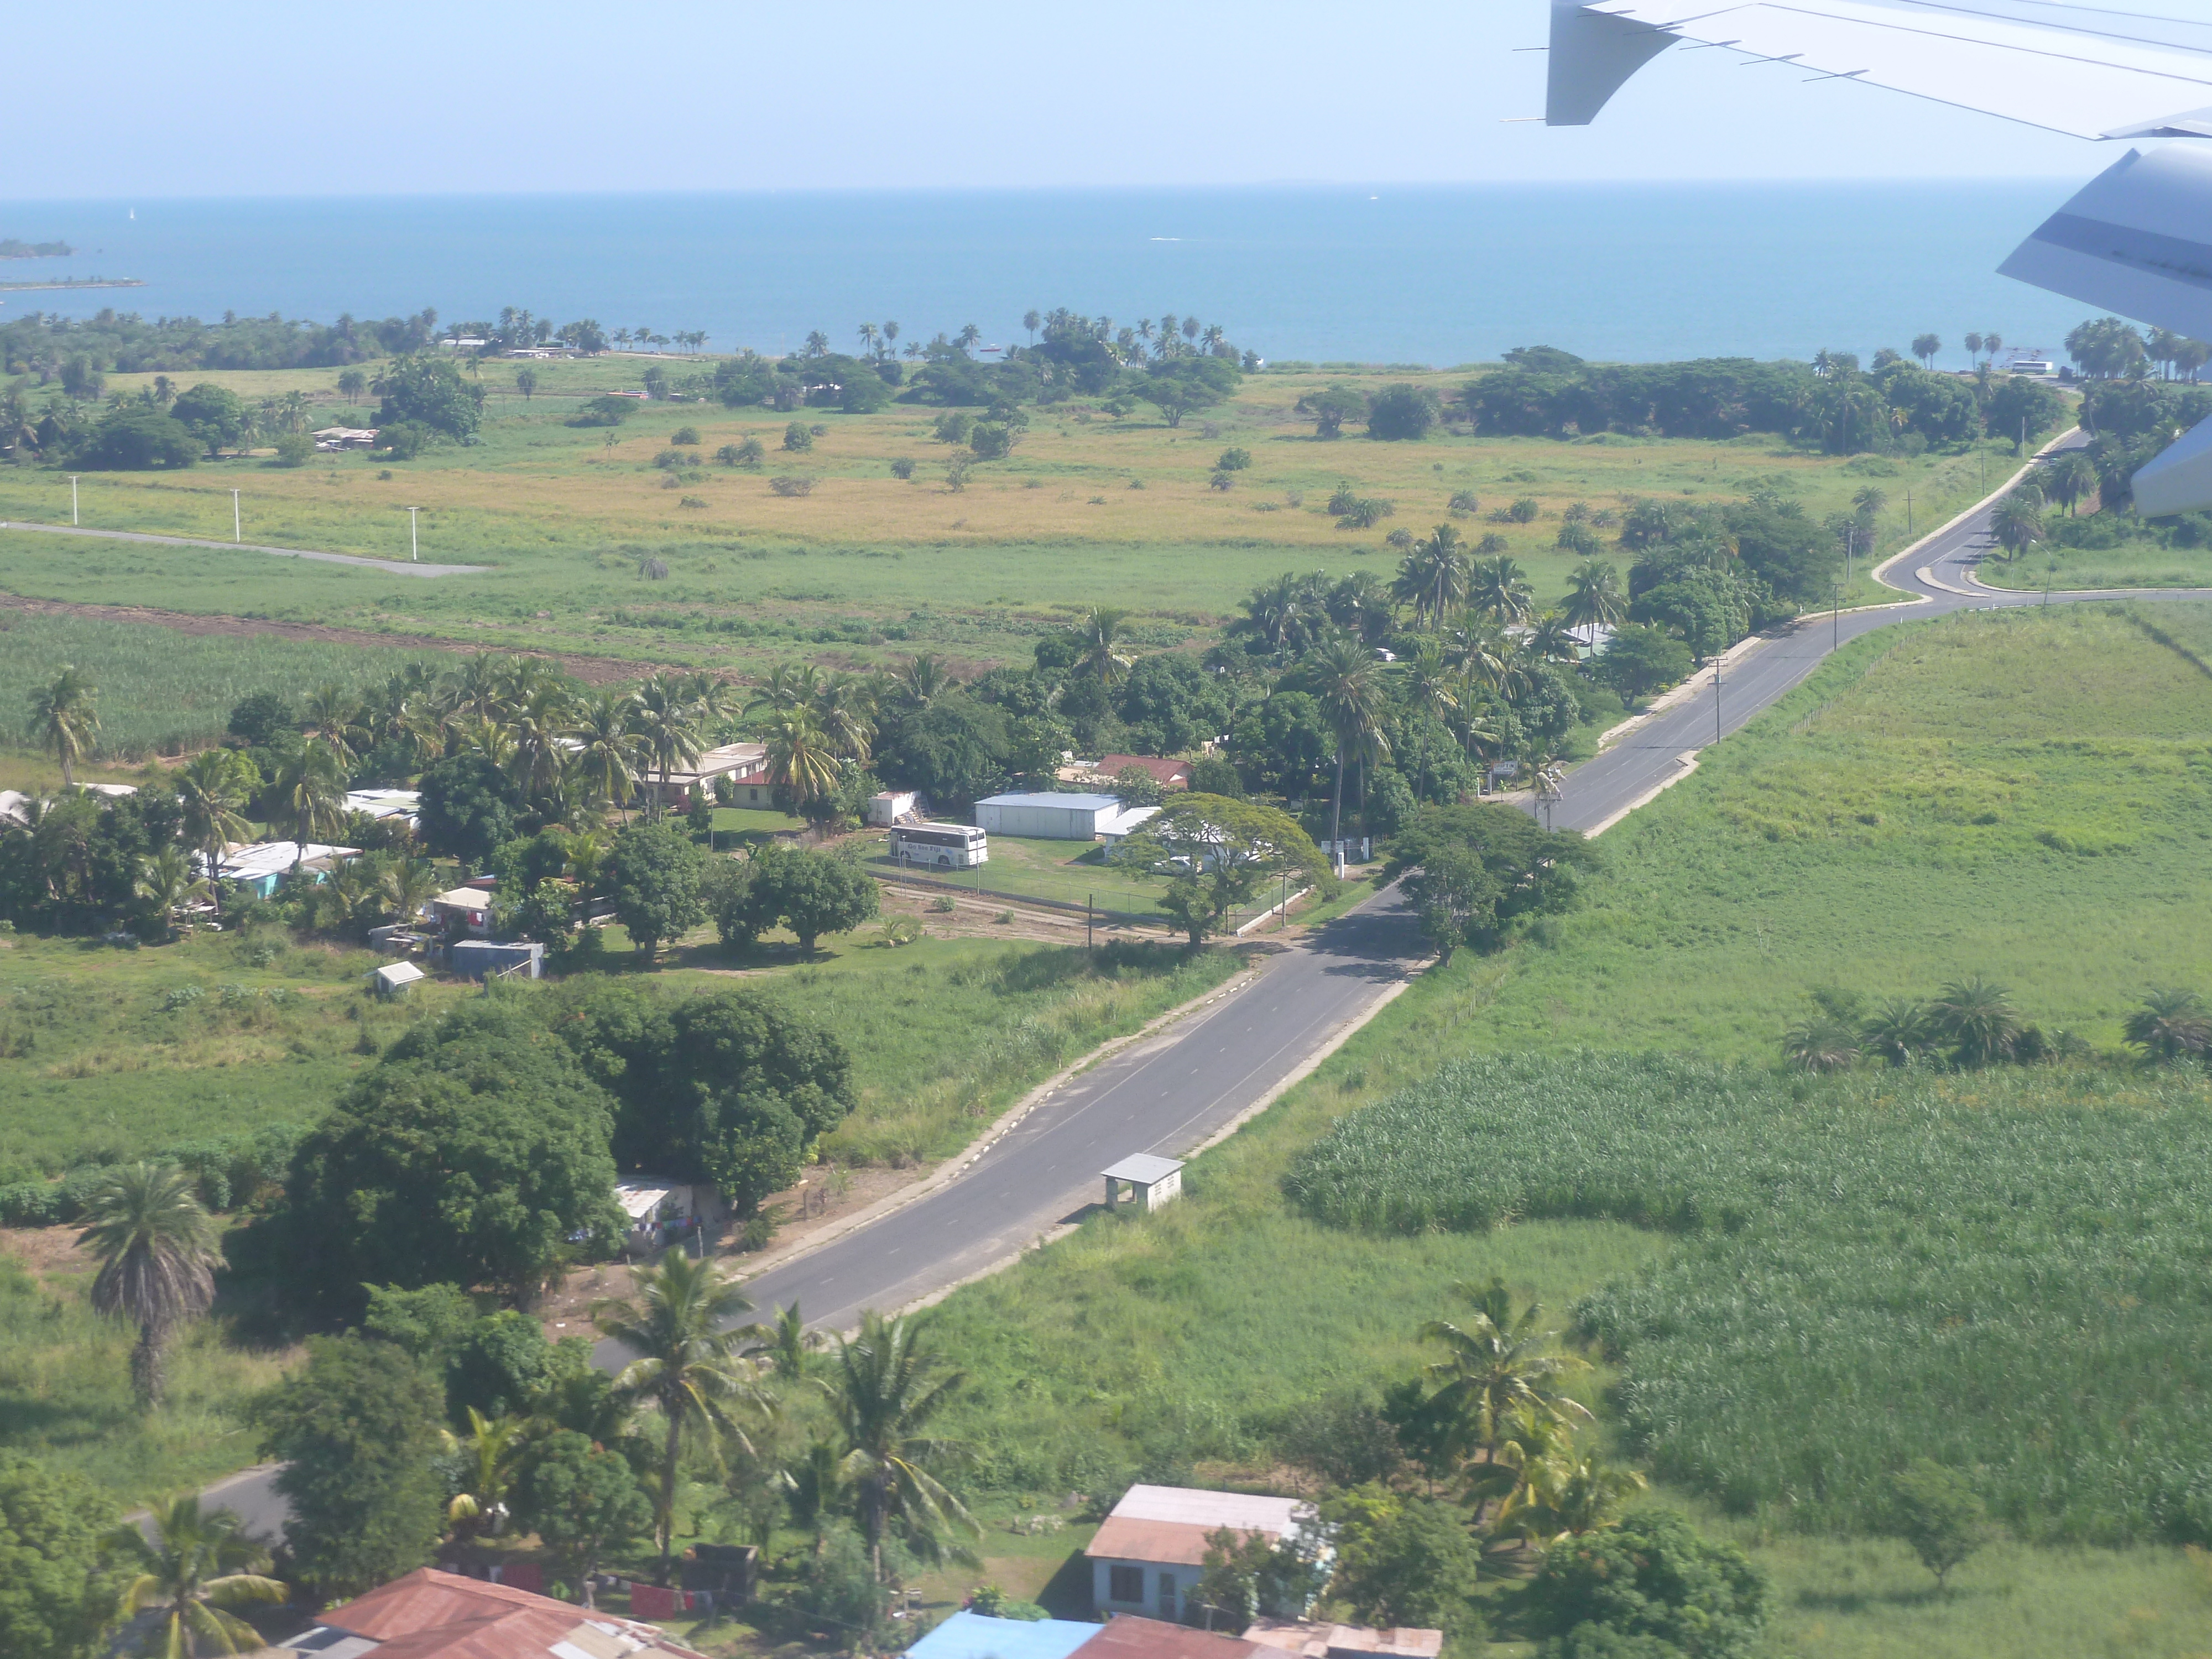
{"type": "Point", "coordinates": [1327, 1640]}
{"type": "Point", "coordinates": [1129, 1636]}
{"type": "Point", "coordinates": [1173, 1543]}
{"type": "Point", "coordinates": [429, 1614]}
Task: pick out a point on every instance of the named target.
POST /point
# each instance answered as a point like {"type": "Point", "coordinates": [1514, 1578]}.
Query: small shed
{"type": "Point", "coordinates": [890, 805]}
{"type": "Point", "coordinates": [393, 979]}
{"type": "Point", "coordinates": [1152, 1181]}
{"type": "Point", "coordinates": [482, 959]}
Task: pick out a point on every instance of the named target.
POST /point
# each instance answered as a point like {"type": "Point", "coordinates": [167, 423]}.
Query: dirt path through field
{"type": "Point", "coordinates": [593, 670]}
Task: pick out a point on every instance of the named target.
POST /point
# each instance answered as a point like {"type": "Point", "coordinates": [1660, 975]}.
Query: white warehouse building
{"type": "Point", "coordinates": [1045, 817]}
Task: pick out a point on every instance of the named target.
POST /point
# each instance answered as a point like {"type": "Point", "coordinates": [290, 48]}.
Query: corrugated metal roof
{"type": "Point", "coordinates": [429, 1614]}
{"type": "Point", "coordinates": [1169, 1524]}
{"type": "Point", "coordinates": [1080, 803]}
{"type": "Point", "coordinates": [973, 1636]}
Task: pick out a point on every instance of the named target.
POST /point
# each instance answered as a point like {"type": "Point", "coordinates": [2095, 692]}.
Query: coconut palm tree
{"type": "Point", "coordinates": [2069, 477]}
{"type": "Point", "coordinates": [540, 723]}
{"type": "Point", "coordinates": [784, 1343]}
{"type": "Point", "coordinates": [157, 1252]}
{"type": "Point", "coordinates": [1979, 1019]}
{"type": "Point", "coordinates": [1347, 683]}
{"type": "Point", "coordinates": [1900, 1029]}
{"type": "Point", "coordinates": [495, 1448]}
{"type": "Point", "coordinates": [887, 1387]}
{"type": "Point", "coordinates": [406, 886]}
{"type": "Point", "coordinates": [1552, 639]}
{"type": "Point", "coordinates": [815, 1488]}
{"type": "Point", "coordinates": [197, 1566]}
{"type": "Point", "coordinates": [843, 708]}
{"type": "Point", "coordinates": [788, 685]}
{"type": "Point", "coordinates": [1284, 613]}
{"type": "Point", "coordinates": [65, 719]}
{"type": "Point", "coordinates": [211, 789]}
{"type": "Point", "coordinates": [1101, 654]}
{"type": "Point", "coordinates": [1564, 1493]}
{"type": "Point", "coordinates": [681, 1322]}
{"type": "Point", "coordinates": [612, 753]}
{"type": "Point", "coordinates": [1925, 347]}
{"type": "Point", "coordinates": [312, 790]}
{"type": "Point", "coordinates": [1495, 1364]}
{"type": "Point", "coordinates": [924, 679]}
{"type": "Point", "coordinates": [335, 718]}
{"type": "Point", "coordinates": [168, 882]}
{"type": "Point", "coordinates": [1433, 577]}
{"type": "Point", "coordinates": [2172, 1024]}
{"type": "Point", "coordinates": [800, 756]}
{"type": "Point", "coordinates": [668, 721]}
{"type": "Point", "coordinates": [1594, 598]}
{"type": "Point", "coordinates": [1499, 587]}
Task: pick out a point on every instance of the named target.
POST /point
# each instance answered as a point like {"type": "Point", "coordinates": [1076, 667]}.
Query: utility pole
{"type": "Point", "coordinates": [1717, 699]}
{"type": "Point", "coordinates": [1835, 617]}
{"type": "Point", "coordinates": [73, 477]}
{"type": "Point", "coordinates": [414, 541]}
{"type": "Point", "coordinates": [237, 523]}
{"type": "Point", "coordinates": [1908, 515]}
{"type": "Point", "coordinates": [1089, 900]}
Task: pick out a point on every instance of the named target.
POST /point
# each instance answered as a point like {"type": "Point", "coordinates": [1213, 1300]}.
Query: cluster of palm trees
{"type": "Point", "coordinates": [643, 339]}
{"type": "Point", "coordinates": [1501, 1424]}
{"type": "Point", "coordinates": [1972, 1022]}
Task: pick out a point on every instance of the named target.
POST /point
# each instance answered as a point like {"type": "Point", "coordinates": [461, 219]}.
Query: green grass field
{"type": "Point", "coordinates": [868, 566]}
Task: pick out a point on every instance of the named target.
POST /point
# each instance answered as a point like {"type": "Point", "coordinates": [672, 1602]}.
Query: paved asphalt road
{"type": "Point", "coordinates": [397, 566]}
{"type": "Point", "coordinates": [1172, 1091]}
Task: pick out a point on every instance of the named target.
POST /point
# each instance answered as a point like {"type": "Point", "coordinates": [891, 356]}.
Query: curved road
{"type": "Point", "coordinates": [1197, 1077]}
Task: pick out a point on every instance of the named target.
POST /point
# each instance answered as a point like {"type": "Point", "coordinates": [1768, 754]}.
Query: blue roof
{"type": "Point", "coordinates": [1087, 803]}
{"type": "Point", "coordinates": [972, 1636]}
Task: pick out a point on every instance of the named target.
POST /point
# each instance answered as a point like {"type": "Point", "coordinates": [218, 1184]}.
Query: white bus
{"type": "Point", "coordinates": [938, 846]}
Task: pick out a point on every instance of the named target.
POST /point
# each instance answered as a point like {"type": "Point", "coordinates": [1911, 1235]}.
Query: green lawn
{"type": "Point", "coordinates": [1067, 871]}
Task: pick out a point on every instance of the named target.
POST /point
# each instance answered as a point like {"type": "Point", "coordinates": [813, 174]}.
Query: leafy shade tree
{"type": "Point", "coordinates": [1526, 870]}
{"type": "Point", "coordinates": [431, 391]}
{"type": "Point", "coordinates": [467, 809]}
{"type": "Point", "coordinates": [1402, 413]}
{"type": "Point", "coordinates": [1331, 407]}
{"type": "Point", "coordinates": [659, 870]}
{"type": "Point", "coordinates": [1178, 385]}
{"type": "Point", "coordinates": [213, 415]}
{"type": "Point", "coordinates": [681, 1323]}
{"type": "Point", "coordinates": [54, 1597]}
{"type": "Point", "coordinates": [1639, 658]}
{"type": "Point", "coordinates": [65, 719]}
{"type": "Point", "coordinates": [137, 439]}
{"type": "Point", "coordinates": [2172, 1024]}
{"type": "Point", "coordinates": [471, 1154]}
{"type": "Point", "coordinates": [1938, 1515]}
{"type": "Point", "coordinates": [1402, 1560]}
{"type": "Point", "coordinates": [356, 1428]}
{"type": "Point", "coordinates": [197, 1566]}
{"type": "Point", "coordinates": [156, 1251]}
{"type": "Point", "coordinates": [583, 1500]}
{"type": "Point", "coordinates": [1650, 1587]}
{"type": "Point", "coordinates": [810, 892]}
{"type": "Point", "coordinates": [1223, 849]}
{"type": "Point", "coordinates": [888, 1386]}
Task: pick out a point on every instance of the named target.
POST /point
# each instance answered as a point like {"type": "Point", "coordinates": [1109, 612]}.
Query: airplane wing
{"type": "Point", "coordinates": [2075, 69]}
{"type": "Point", "coordinates": [2137, 240]}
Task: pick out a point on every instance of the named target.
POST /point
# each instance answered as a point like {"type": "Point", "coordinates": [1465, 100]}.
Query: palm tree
{"type": "Point", "coordinates": [815, 1488]}
{"type": "Point", "coordinates": [1564, 1493]}
{"type": "Point", "coordinates": [843, 707]}
{"type": "Point", "coordinates": [168, 882]}
{"type": "Point", "coordinates": [2070, 477]}
{"type": "Point", "coordinates": [1347, 683]}
{"type": "Point", "coordinates": [1821, 1043]}
{"type": "Point", "coordinates": [667, 720]}
{"type": "Point", "coordinates": [1433, 577]}
{"type": "Point", "coordinates": [2018, 524]}
{"type": "Point", "coordinates": [1102, 656]}
{"type": "Point", "coordinates": [1925, 347]}
{"type": "Point", "coordinates": [1978, 1019]}
{"type": "Point", "coordinates": [157, 1251]}
{"type": "Point", "coordinates": [211, 788]}
{"type": "Point", "coordinates": [1283, 612]}
{"type": "Point", "coordinates": [1498, 587]}
{"type": "Point", "coordinates": [924, 679]}
{"type": "Point", "coordinates": [18, 426]}
{"type": "Point", "coordinates": [63, 719]}
{"type": "Point", "coordinates": [800, 758]}
{"type": "Point", "coordinates": [888, 1386]}
{"type": "Point", "coordinates": [406, 885]}
{"type": "Point", "coordinates": [313, 788]}
{"type": "Point", "coordinates": [1869, 500]}
{"type": "Point", "coordinates": [680, 1322]}
{"type": "Point", "coordinates": [194, 1569]}
{"type": "Point", "coordinates": [784, 1343]}
{"type": "Point", "coordinates": [612, 753]}
{"type": "Point", "coordinates": [495, 1447]}
{"type": "Point", "coordinates": [541, 724]}
{"type": "Point", "coordinates": [1495, 1366]}
{"type": "Point", "coordinates": [1594, 597]}
{"type": "Point", "coordinates": [2172, 1024]}
{"type": "Point", "coordinates": [334, 716]}
{"type": "Point", "coordinates": [1900, 1030]}
{"type": "Point", "coordinates": [1552, 639]}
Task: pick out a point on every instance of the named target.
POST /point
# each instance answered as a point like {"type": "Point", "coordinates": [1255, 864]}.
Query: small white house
{"type": "Point", "coordinates": [1048, 816]}
{"type": "Point", "coordinates": [1151, 1552]}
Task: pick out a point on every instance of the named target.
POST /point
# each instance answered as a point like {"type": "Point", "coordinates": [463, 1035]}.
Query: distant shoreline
{"type": "Point", "coordinates": [77, 281]}
{"type": "Point", "coordinates": [14, 247]}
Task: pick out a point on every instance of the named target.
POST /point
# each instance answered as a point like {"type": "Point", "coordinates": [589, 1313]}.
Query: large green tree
{"type": "Point", "coordinates": [1651, 1588]}
{"type": "Point", "coordinates": [659, 870]}
{"type": "Point", "coordinates": [356, 1428]}
{"type": "Point", "coordinates": [433, 393]}
{"type": "Point", "coordinates": [810, 892]}
{"type": "Point", "coordinates": [471, 1153]}
{"type": "Point", "coordinates": [1221, 851]}
{"type": "Point", "coordinates": [55, 1596]}
{"type": "Point", "coordinates": [582, 1499]}
{"type": "Point", "coordinates": [213, 415]}
{"type": "Point", "coordinates": [136, 439]}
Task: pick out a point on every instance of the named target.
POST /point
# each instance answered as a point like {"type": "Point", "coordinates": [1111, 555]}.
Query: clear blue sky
{"type": "Point", "coordinates": [135, 99]}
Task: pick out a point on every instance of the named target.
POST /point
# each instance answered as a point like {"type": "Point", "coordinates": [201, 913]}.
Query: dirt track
{"type": "Point", "coordinates": [593, 670]}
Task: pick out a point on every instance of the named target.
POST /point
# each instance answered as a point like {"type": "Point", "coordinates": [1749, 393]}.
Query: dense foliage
{"type": "Point", "coordinates": [55, 1599]}
{"type": "Point", "coordinates": [1648, 1588]}
{"type": "Point", "coordinates": [126, 343]}
{"type": "Point", "coordinates": [1861, 1258]}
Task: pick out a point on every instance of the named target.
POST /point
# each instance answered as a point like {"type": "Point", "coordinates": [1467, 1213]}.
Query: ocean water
{"type": "Point", "coordinates": [1431, 275]}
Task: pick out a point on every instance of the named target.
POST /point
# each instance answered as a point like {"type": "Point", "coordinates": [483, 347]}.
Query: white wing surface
{"type": "Point", "coordinates": [2081, 70]}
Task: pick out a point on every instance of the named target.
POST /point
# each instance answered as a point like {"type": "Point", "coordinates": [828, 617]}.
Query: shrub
{"type": "Point", "coordinates": [1233, 460]}
{"type": "Point", "coordinates": [668, 460]}
{"type": "Point", "coordinates": [1524, 510]}
{"type": "Point", "coordinates": [902, 467]}
{"type": "Point", "coordinates": [953, 427]}
{"type": "Point", "coordinates": [294, 449]}
{"type": "Point", "coordinates": [797, 438]}
{"type": "Point", "coordinates": [1652, 1587]}
{"type": "Point", "coordinates": [1220, 480]}
{"type": "Point", "coordinates": [1399, 413]}
{"type": "Point", "coordinates": [603, 411]}
{"type": "Point", "coordinates": [791, 483]}
{"type": "Point", "coordinates": [1465, 503]}
{"type": "Point", "coordinates": [1365, 514]}
{"type": "Point", "coordinates": [684, 434]}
